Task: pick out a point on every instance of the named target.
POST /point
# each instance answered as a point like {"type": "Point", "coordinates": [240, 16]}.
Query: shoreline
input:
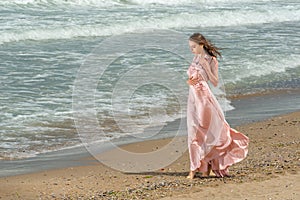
{"type": "Point", "coordinates": [247, 110]}
{"type": "Point", "coordinates": [272, 155]}
{"type": "Point", "coordinates": [264, 93]}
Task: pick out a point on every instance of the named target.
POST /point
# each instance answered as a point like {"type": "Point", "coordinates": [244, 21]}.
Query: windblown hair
{"type": "Point", "coordinates": [207, 45]}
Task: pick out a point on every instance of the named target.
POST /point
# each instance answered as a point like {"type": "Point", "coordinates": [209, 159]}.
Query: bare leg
{"type": "Point", "coordinates": [191, 175]}
{"type": "Point", "coordinates": [207, 173]}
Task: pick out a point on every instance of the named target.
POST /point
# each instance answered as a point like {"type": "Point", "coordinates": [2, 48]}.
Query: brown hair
{"type": "Point", "coordinates": [207, 45]}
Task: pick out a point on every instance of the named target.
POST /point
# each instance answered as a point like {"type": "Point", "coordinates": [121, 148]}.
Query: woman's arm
{"type": "Point", "coordinates": [211, 70]}
{"type": "Point", "coordinates": [194, 77]}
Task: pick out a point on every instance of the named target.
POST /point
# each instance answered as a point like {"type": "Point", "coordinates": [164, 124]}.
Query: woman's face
{"type": "Point", "coordinates": [195, 48]}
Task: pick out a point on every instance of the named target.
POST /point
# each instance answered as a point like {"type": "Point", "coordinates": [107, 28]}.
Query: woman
{"type": "Point", "coordinates": [213, 145]}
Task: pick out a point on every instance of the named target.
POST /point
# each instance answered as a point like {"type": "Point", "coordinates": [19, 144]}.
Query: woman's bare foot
{"type": "Point", "coordinates": [191, 175]}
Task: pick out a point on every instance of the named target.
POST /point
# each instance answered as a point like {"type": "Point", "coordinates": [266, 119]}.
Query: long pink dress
{"type": "Point", "coordinates": [210, 138]}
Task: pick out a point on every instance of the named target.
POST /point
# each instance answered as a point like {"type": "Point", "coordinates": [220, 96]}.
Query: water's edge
{"type": "Point", "coordinates": [248, 110]}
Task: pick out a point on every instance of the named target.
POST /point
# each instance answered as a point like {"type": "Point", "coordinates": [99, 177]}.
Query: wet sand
{"type": "Point", "coordinates": [271, 171]}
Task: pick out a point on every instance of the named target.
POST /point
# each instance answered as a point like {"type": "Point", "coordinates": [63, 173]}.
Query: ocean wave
{"type": "Point", "coordinates": [262, 69]}
{"type": "Point", "coordinates": [274, 81]}
{"type": "Point", "coordinates": [176, 21]}
{"type": "Point", "coordinates": [106, 3]}
{"type": "Point", "coordinates": [98, 3]}
{"type": "Point", "coordinates": [189, 2]}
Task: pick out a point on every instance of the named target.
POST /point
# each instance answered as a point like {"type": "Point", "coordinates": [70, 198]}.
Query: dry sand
{"type": "Point", "coordinates": [271, 171]}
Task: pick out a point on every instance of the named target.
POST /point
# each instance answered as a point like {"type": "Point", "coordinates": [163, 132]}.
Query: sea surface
{"type": "Point", "coordinates": [44, 45]}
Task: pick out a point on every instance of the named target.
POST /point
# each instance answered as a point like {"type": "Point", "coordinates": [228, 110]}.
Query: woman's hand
{"type": "Point", "coordinates": [205, 65]}
{"type": "Point", "coordinates": [192, 81]}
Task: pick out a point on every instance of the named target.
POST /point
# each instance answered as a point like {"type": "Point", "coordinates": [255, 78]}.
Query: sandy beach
{"type": "Point", "coordinates": [271, 171]}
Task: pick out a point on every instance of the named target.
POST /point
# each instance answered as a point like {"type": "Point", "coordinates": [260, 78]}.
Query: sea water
{"type": "Point", "coordinates": [43, 44]}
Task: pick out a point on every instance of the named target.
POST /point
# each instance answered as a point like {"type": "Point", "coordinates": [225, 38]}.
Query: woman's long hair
{"type": "Point", "coordinates": [207, 45]}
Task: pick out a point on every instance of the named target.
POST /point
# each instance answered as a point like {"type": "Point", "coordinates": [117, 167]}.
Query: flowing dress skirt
{"type": "Point", "coordinates": [211, 141]}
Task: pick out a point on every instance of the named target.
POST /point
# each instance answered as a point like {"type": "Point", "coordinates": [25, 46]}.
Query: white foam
{"type": "Point", "coordinates": [98, 3]}
{"type": "Point", "coordinates": [162, 2]}
{"type": "Point", "coordinates": [107, 3]}
{"type": "Point", "coordinates": [262, 67]}
{"type": "Point", "coordinates": [223, 18]}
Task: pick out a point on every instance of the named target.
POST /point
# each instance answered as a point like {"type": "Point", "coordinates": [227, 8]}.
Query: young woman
{"type": "Point", "coordinates": [212, 144]}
